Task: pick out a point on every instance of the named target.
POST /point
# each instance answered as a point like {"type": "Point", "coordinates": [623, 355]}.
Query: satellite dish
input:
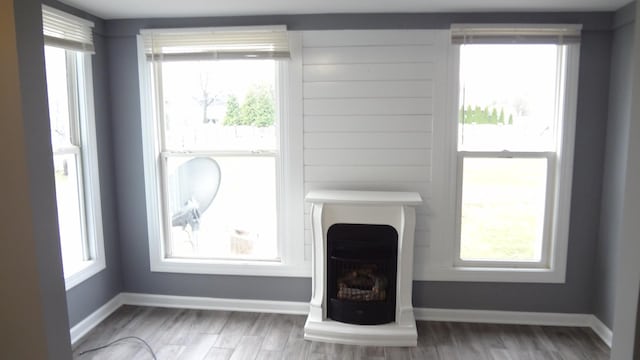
{"type": "Point", "coordinates": [193, 186]}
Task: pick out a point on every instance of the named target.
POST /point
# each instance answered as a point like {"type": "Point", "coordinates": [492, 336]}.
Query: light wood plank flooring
{"type": "Point", "coordinates": [207, 335]}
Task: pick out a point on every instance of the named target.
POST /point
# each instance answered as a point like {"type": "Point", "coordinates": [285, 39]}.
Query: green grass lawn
{"type": "Point", "coordinates": [502, 209]}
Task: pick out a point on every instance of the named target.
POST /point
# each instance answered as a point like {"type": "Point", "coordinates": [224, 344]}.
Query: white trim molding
{"type": "Point", "coordinates": [206, 303]}
{"type": "Point", "coordinates": [442, 262]}
{"type": "Point", "coordinates": [601, 330]}
{"type": "Point", "coordinates": [289, 179]}
{"type": "Point", "coordinates": [502, 317]}
{"type": "Point", "coordinates": [302, 308]}
{"type": "Point", "coordinates": [517, 318]}
{"type": "Point", "coordinates": [87, 324]}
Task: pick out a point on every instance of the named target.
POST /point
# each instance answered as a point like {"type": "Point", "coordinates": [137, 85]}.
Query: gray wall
{"type": "Point", "coordinates": [613, 187]}
{"type": "Point", "coordinates": [40, 171]}
{"type": "Point", "coordinates": [573, 296]}
{"type": "Point", "coordinates": [91, 294]}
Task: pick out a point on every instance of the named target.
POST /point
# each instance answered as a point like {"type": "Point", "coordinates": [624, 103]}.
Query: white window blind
{"type": "Point", "coordinates": [259, 42]}
{"type": "Point", "coordinates": [66, 31]}
{"type": "Point", "coordinates": [515, 34]}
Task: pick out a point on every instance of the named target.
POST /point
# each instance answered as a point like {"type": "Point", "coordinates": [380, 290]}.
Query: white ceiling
{"type": "Point", "coordinates": [118, 9]}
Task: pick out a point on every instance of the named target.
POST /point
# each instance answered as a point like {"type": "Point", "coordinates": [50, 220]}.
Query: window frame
{"type": "Point", "coordinates": [288, 172]}
{"type": "Point", "coordinates": [442, 264]}
{"type": "Point", "coordinates": [548, 218]}
{"type": "Point", "coordinates": [84, 148]}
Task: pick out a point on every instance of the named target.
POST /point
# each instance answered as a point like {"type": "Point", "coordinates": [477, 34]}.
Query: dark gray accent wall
{"type": "Point", "coordinates": [574, 296]}
{"type": "Point", "coordinates": [40, 171]}
{"type": "Point", "coordinates": [613, 187]}
{"type": "Point", "coordinates": [85, 298]}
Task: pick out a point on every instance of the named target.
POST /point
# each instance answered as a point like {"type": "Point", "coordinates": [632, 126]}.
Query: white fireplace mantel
{"type": "Point", "coordinates": [396, 209]}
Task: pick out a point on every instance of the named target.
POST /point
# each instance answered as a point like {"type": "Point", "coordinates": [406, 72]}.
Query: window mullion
{"type": "Point", "coordinates": [547, 216]}
{"type": "Point", "coordinates": [159, 102]}
{"type": "Point", "coordinates": [550, 204]}
{"type": "Point", "coordinates": [87, 250]}
{"type": "Point", "coordinates": [73, 96]}
{"type": "Point", "coordinates": [164, 204]}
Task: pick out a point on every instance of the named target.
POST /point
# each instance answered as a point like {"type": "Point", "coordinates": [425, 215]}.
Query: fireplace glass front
{"type": "Point", "coordinates": [361, 273]}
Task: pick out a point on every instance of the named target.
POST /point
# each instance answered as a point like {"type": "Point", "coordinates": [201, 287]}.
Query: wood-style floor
{"type": "Point", "coordinates": [201, 334]}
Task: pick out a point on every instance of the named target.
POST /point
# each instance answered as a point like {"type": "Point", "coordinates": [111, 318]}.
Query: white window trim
{"type": "Point", "coordinates": [548, 221]}
{"type": "Point", "coordinates": [441, 264]}
{"type": "Point", "coordinates": [90, 177]}
{"type": "Point", "coordinates": [290, 202]}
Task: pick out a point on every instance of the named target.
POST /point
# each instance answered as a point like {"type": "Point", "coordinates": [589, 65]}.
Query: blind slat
{"type": "Point", "coordinates": [221, 43]}
{"type": "Point", "coordinates": [66, 31]}
{"type": "Point", "coordinates": [515, 34]}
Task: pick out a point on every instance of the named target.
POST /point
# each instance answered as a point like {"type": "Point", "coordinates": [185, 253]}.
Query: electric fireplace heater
{"type": "Point", "coordinates": [362, 274]}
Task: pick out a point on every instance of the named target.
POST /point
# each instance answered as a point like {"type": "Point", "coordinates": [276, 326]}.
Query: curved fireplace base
{"type": "Point", "coordinates": [391, 334]}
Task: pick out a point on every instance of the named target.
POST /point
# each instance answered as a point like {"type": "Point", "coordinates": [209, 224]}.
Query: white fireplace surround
{"type": "Point", "coordinates": [395, 209]}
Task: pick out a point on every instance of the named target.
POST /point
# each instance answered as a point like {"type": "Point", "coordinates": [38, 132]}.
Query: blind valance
{"type": "Point", "coordinates": [252, 42]}
{"type": "Point", "coordinates": [66, 31]}
{"type": "Point", "coordinates": [515, 34]}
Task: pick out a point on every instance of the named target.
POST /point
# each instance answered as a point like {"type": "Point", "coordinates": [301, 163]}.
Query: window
{"type": "Point", "coordinates": [503, 161]}
{"type": "Point", "coordinates": [215, 147]}
{"type": "Point", "coordinates": [513, 153]}
{"type": "Point", "coordinates": [68, 63]}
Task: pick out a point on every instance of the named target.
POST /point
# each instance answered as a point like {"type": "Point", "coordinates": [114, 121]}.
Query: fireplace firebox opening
{"type": "Point", "coordinates": [361, 273]}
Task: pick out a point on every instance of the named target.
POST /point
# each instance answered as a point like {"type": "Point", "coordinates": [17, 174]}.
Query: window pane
{"type": "Point", "coordinates": [70, 220]}
{"type": "Point", "coordinates": [503, 207]}
{"type": "Point", "coordinates": [219, 105]}
{"type": "Point", "coordinates": [57, 91]}
{"type": "Point", "coordinates": [508, 97]}
{"type": "Point", "coordinates": [222, 207]}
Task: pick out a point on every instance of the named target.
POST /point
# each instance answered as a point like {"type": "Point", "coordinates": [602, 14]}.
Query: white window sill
{"type": "Point", "coordinates": [481, 274]}
{"type": "Point", "coordinates": [83, 273]}
{"type": "Point", "coordinates": [231, 267]}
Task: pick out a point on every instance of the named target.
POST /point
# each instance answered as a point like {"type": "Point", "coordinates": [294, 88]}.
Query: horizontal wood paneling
{"type": "Point", "coordinates": [368, 72]}
{"type": "Point", "coordinates": [370, 123]}
{"type": "Point", "coordinates": [395, 106]}
{"type": "Point", "coordinates": [363, 173]}
{"type": "Point", "coordinates": [360, 157]}
{"type": "Point", "coordinates": [366, 140]}
{"type": "Point", "coordinates": [367, 38]}
{"type": "Point", "coordinates": [368, 99]}
{"type": "Point", "coordinates": [420, 256]}
{"type": "Point", "coordinates": [368, 89]}
{"type": "Point", "coordinates": [367, 54]}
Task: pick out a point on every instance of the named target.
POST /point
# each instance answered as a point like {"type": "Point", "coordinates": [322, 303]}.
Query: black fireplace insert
{"type": "Point", "coordinates": [362, 264]}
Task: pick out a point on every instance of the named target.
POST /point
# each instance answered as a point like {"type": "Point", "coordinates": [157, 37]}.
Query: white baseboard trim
{"type": "Point", "coordinates": [517, 318]}
{"type": "Point", "coordinates": [302, 308]}
{"type": "Point", "coordinates": [87, 324]}
{"type": "Point", "coordinates": [205, 303]}
{"type": "Point", "coordinates": [601, 330]}
{"type": "Point", "coordinates": [502, 317]}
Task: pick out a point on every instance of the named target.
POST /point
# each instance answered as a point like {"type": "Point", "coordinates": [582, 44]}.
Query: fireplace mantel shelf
{"type": "Point", "coordinates": [364, 197]}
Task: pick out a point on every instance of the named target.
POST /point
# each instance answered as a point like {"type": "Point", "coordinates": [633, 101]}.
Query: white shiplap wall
{"type": "Point", "coordinates": [370, 98]}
